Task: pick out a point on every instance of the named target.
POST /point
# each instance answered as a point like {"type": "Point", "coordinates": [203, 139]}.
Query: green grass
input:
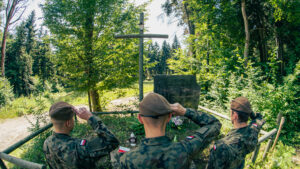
{"type": "Point", "coordinates": [27, 105]}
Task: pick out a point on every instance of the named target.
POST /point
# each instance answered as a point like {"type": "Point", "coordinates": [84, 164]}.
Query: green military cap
{"type": "Point", "coordinates": [61, 111]}
{"type": "Point", "coordinates": [154, 105]}
{"type": "Point", "coordinates": [241, 104]}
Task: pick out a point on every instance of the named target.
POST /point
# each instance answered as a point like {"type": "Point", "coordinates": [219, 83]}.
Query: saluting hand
{"type": "Point", "coordinates": [83, 113]}
{"type": "Point", "coordinates": [177, 109]}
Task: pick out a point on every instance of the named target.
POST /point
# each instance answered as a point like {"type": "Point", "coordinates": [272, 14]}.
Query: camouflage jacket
{"type": "Point", "coordinates": [65, 152]}
{"type": "Point", "coordinates": [160, 152]}
{"type": "Point", "coordinates": [230, 151]}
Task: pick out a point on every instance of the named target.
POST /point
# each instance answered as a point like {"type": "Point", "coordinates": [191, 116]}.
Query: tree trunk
{"type": "Point", "coordinates": [247, 40]}
{"type": "Point", "coordinates": [89, 99]}
{"type": "Point", "coordinates": [3, 47]}
{"type": "Point", "coordinates": [191, 27]}
{"type": "Point", "coordinates": [279, 52]}
{"type": "Point", "coordinates": [95, 100]}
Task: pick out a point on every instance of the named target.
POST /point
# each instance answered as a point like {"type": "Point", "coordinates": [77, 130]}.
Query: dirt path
{"type": "Point", "coordinates": [13, 130]}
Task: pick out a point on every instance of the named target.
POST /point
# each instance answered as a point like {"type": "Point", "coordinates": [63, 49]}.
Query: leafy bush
{"type": "Point", "coordinates": [265, 97]}
{"type": "Point", "coordinates": [6, 94]}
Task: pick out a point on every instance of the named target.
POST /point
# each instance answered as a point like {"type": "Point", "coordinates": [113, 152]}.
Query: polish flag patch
{"type": "Point", "coordinates": [82, 142]}
{"type": "Point", "coordinates": [254, 124]}
{"type": "Point", "coordinates": [190, 137]}
{"type": "Point", "coordinates": [215, 147]}
{"type": "Point", "coordinates": [123, 149]}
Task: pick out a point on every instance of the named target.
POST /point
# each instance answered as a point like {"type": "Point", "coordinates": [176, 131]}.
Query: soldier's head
{"type": "Point", "coordinates": [61, 114]}
{"type": "Point", "coordinates": [155, 112]}
{"type": "Point", "coordinates": [240, 109]}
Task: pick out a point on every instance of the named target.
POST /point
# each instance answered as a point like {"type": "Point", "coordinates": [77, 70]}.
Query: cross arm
{"type": "Point", "coordinates": [141, 36]}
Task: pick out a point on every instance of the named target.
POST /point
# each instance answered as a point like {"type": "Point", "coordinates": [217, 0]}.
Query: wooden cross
{"type": "Point", "coordinates": [141, 35]}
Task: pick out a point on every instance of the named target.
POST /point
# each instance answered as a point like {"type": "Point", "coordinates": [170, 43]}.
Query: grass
{"type": "Point", "coordinates": [26, 105]}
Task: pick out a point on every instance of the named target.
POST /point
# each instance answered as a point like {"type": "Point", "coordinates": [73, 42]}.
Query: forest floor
{"type": "Point", "coordinates": [15, 129]}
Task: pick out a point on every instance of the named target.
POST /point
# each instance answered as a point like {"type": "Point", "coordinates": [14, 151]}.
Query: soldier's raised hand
{"type": "Point", "coordinates": [177, 109]}
{"type": "Point", "coordinates": [83, 113]}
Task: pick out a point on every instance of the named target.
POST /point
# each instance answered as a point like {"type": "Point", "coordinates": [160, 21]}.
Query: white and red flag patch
{"type": "Point", "coordinates": [190, 137]}
{"type": "Point", "coordinates": [83, 142]}
{"type": "Point", "coordinates": [123, 149]}
{"type": "Point", "coordinates": [254, 124]}
{"type": "Point", "coordinates": [215, 147]}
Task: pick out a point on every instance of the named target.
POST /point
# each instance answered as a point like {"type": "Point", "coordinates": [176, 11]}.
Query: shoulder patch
{"type": "Point", "coordinates": [215, 147]}
{"type": "Point", "coordinates": [83, 142]}
{"type": "Point", "coordinates": [190, 137]}
{"type": "Point", "coordinates": [123, 149]}
{"type": "Point", "coordinates": [254, 124]}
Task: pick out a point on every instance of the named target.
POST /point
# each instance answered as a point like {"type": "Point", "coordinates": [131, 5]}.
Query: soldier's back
{"type": "Point", "coordinates": [230, 151]}
{"type": "Point", "coordinates": [62, 152]}
{"type": "Point", "coordinates": [157, 152]}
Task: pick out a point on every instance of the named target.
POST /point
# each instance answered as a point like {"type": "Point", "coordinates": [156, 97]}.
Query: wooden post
{"type": "Point", "coordinates": [255, 154]}
{"type": "Point", "coordinates": [267, 149]}
{"type": "Point", "coordinates": [21, 163]}
{"type": "Point", "coordinates": [278, 133]}
{"type": "Point", "coordinates": [141, 58]}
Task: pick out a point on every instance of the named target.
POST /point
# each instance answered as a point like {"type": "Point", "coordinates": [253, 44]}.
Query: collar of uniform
{"type": "Point", "coordinates": [237, 130]}
{"type": "Point", "coordinates": [60, 135]}
{"type": "Point", "coordinates": [156, 140]}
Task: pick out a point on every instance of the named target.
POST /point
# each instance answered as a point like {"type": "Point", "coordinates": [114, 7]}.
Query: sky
{"type": "Point", "coordinates": [157, 22]}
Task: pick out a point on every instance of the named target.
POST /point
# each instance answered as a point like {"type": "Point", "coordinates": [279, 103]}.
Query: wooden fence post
{"type": "Point", "coordinates": [255, 154]}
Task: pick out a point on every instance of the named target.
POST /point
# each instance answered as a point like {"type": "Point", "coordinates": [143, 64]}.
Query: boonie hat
{"type": "Point", "coordinates": [61, 111]}
{"type": "Point", "coordinates": [241, 104]}
{"type": "Point", "coordinates": [154, 105]}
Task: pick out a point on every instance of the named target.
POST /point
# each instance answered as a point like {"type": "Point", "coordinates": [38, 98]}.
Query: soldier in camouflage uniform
{"type": "Point", "coordinates": [230, 151]}
{"type": "Point", "coordinates": [64, 152]}
{"type": "Point", "coordinates": [157, 150]}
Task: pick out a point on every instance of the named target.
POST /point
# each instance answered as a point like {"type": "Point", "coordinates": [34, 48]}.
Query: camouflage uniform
{"type": "Point", "coordinates": [230, 151]}
{"type": "Point", "coordinates": [160, 152]}
{"type": "Point", "coordinates": [63, 151]}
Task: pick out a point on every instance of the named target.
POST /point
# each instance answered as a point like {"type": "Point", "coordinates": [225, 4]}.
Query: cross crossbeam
{"type": "Point", "coordinates": [141, 36]}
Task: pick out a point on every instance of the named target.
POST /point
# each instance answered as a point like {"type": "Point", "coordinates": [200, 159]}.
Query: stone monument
{"type": "Point", "coordinates": [178, 88]}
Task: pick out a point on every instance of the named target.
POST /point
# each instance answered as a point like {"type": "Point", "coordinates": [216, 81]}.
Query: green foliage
{"type": "Point", "coordinates": [18, 61]}
{"type": "Point", "coordinates": [89, 56]}
{"type": "Point", "coordinates": [6, 94]}
{"type": "Point", "coordinates": [280, 158]}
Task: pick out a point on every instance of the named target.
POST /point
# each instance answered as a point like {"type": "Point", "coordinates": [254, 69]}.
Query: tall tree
{"type": "Point", "coordinates": [14, 10]}
{"type": "Point", "coordinates": [165, 55]}
{"type": "Point", "coordinates": [175, 44]}
{"type": "Point", "coordinates": [247, 33]}
{"type": "Point", "coordinates": [43, 66]}
{"type": "Point", "coordinates": [91, 59]}
{"type": "Point", "coordinates": [19, 64]}
{"type": "Point", "coordinates": [182, 10]}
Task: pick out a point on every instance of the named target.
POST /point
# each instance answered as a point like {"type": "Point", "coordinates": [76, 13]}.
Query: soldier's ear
{"type": "Point", "coordinates": [140, 119]}
{"type": "Point", "coordinates": [68, 123]}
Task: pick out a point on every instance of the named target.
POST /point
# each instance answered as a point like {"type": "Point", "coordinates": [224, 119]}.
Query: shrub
{"type": "Point", "coordinates": [6, 94]}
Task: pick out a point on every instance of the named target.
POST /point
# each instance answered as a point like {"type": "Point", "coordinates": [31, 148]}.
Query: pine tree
{"type": "Point", "coordinates": [30, 32]}
{"type": "Point", "coordinates": [19, 64]}
{"type": "Point", "coordinates": [165, 54]}
{"type": "Point", "coordinates": [175, 44]}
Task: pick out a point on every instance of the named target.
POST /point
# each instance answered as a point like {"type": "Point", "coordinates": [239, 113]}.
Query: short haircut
{"type": "Point", "coordinates": [242, 117]}
{"type": "Point", "coordinates": [61, 111]}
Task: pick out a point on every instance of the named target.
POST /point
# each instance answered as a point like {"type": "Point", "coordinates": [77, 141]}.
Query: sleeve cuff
{"type": "Point", "coordinates": [189, 112]}
{"type": "Point", "coordinates": [93, 121]}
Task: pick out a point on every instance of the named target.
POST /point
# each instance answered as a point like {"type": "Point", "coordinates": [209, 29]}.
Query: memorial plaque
{"type": "Point", "coordinates": [178, 88]}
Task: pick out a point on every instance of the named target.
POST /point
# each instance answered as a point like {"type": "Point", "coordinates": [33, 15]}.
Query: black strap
{"type": "Point", "coordinates": [239, 111]}
{"type": "Point", "coordinates": [155, 117]}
